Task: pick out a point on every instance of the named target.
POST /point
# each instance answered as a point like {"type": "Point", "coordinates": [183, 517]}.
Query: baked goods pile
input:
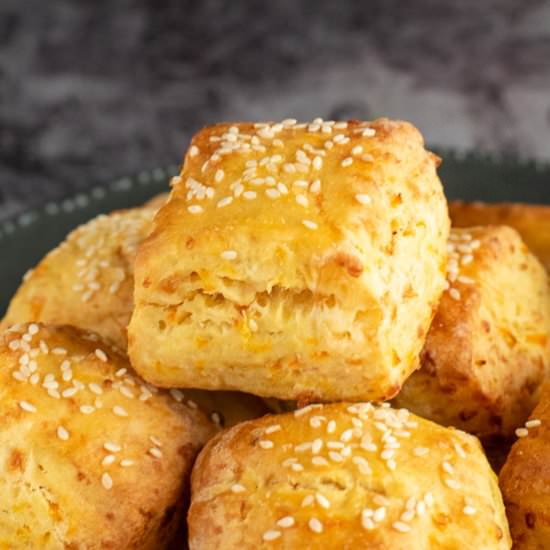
{"type": "Point", "coordinates": [310, 270]}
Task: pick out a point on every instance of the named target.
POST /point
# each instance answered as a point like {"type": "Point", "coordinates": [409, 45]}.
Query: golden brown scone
{"type": "Point", "coordinates": [531, 221]}
{"type": "Point", "coordinates": [90, 456]}
{"type": "Point", "coordinates": [345, 476]}
{"type": "Point", "coordinates": [88, 280]}
{"type": "Point", "coordinates": [525, 481]}
{"type": "Point", "coordinates": [293, 261]}
{"type": "Point", "coordinates": [488, 349]}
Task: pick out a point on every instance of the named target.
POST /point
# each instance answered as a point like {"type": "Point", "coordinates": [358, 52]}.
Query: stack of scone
{"type": "Point", "coordinates": [308, 263]}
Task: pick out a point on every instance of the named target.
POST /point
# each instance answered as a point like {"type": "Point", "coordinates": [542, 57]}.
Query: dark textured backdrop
{"type": "Point", "coordinates": [91, 90]}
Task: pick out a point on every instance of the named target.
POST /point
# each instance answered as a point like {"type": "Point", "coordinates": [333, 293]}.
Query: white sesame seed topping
{"type": "Point", "coordinates": [315, 187]}
{"type": "Point", "coordinates": [193, 151]}
{"type": "Point", "coordinates": [362, 198]}
{"type": "Point", "coordinates": [300, 183]}
{"type": "Point", "coordinates": [308, 501]}
{"type": "Point", "coordinates": [108, 460]}
{"type": "Point", "coordinates": [238, 488]}
{"type": "Point", "coordinates": [348, 161]}
{"type": "Point", "coordinates": [195, 209]}
{"type": "Point", "coordinates": [522, 432]}
{"type": "Point", "coordinates": [107, 481]}
{"type": "Point", "coordinates": [368, 132]}
{"type": "Point", "coordinates": [421, 451]}
{"type": "Point", "coordinates": [224, 202]}
{"type": "Point", "coordinates": [322, 500]}
{"type": "Point", "coordinates": [272, 429]}
{"type": "Point", "coordinates": [95, 388]}
{"type": "Point", "coordinates": [272, 534]}
{"type": "Point", "coordinates": [101, 355]}
{"type": "Point", "coordinates": [112, 447]}
{"type": "Point", "coordinates": [272, 193]}
{"type": "Point", "coordinates": [379, 514]}
{"type": "Point", "coordinates": [266, 444]}
{"type": "Point", "coordinates": [87, 409]}
{"type": "Point", "coordinates": [177, 395]}
{"type": "Point", "coordinates": [309, 224]}
{"type": "Point", "coordinates": [155, 452]}
{"type": "Point", "coordinates": [59, 351]}
{"type": "Point", "coordinates": [454, 293]}
{"type": "Point", "coordinates": [119, 411]}
{"type": "Point", "coordinates": [401, 527]}
{"type": "Point", "coordinates": [469, 510]}
{"type": "Point", "coordinates": [331, 426]}
{"type": "Point", "coordinates": [228, 255]}
{"type": "Point", "coordinates": [220, 174]}
{"type": "Point", "coordinates": [302, 200]}
{"type": "Point", "coordinates": [249, 195]}
{"type": "Point", "coordinates": [125, 463]}
{"type": "Point", "coordinates": [319, 461]}
{"type": "Point", "coordinates": [452, 483]}
{"type": "Point", "coordinates": [535, 423]}
{"type": "Point", "coordinates": [286, 522]}
{"type": "Point", "coordinates": [62, 433]}
{"type": "Point", "coordinates": [315, 525]}
{"type": "Point", "coordinates": [317, 163]}
{"type": "Point", "coordinates": [357, 150]}
{"type": "Point", "coordinates": [28, 407]}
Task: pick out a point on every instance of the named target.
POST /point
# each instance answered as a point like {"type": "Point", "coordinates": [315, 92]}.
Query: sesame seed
{"type": "Point", "coordinates": [121, 372]}
{"type": "Point", "coordinates": [469, 510]}
{"type": "Point", "coordinates": [155, 441]}
{"type": "Point", "coordinates": [429, 499]}
{"type": "Point", "coordinates": [155, 452]}
{"type": "Point", "coordinates": [282, 188]}
{"type": "Point", "coordinates": [177, 395]}
{"type": "Point", "coordinates": [238, 488]}
{"type": "Point", "coordinates": [319, 461]}
{"type": "Point", "coordinates": [315, 187]}
{"type": "Point", "coordinates": [193, 151]}
{"type": "Point", "coordinates": [379, 514]}
{"type": "Point", "coordinates": [300, 183]}
{"type": "Point", "coordinates": [112, 447]}
{"type": "Point", "coordinates": [335, 457]}
{"type": "Point", "coordinates": [391, 464]}
{"type": "Point", "coordinates": [108, 460]}
{"type": "Point", "coordinates": [308, 501]}
{"type": "Point", "coordinates": [452, 483]}
{"type": "Point", "coordinates": [272, 193]}
{"type": "Point", "coordinates": [34, 379]}
{"type": "Point", "coordinates": [289, 122]}
{"type": "Point", "coordinates": [271, 535]}
{"type": "Point", "coordinates": [368, 132]}
{"type": "Point", "coordinates": [346, 435]}
{"type": "Point", "coordinates": [421, 451]}
{"type": "Point", "coordinates": [448, 467]}
{"type": "Point", "coordinates": [317, 446]}
{"type": "Point", "coordinates": [302, 200]}
{"type": "Point", "coordinates": [119, 411]}
{"type": "Point", "coordinates": [302, 447]}
{"type": "Point", "coordinates": [59, 351]}
{"type": "Point", "coordinates": [289, 168]}
{"type": "Point", "coordinates": [107, 481]}
{"type": "Point", "coordinates": [195, 209]}
{"type": "Point", "coordinates": [272, 429]}
{"type": "Point", "coordinates": [224, 202]}
{"type": "Point", "coordinates": [420, 508]}
{"type": "Point", "coordinates": [228, 255]}
{"type": "Point", "coordinates": [362, 198]}
{"type": "Point", "coordinates": [535, 423]}
{"type": "Point", "coordinates": [253, 325]}
{"type": "Point", "coordinates": [357, 150]}
{"type": "Point", "coordinates": [317, 163]}
{"type": "Point", "coordinates": [309, 224]}
{"type": "Point", "coordinates": [62, 433]}
{"type": "Point", "coordinates": [286, 522]}
{"type": "Point", "coordinates": [87, 409]}
{"type": "Point", "coordinates": [95, 388]}
{"type": "Point", "coordinates": [331, 426]}
{"type": "Point", "coordinates": [401, 527]}
{"type": "Point", "coordinates": [315, 525]}
{"type": "Point", "coordinates": [220, 174]}
{"type": "Point", "coordinates": [33, 329]}
{"type": "Point", "coordinates": [322, 500]}
{"type": "Point", "coordinates": [522, 432]}
{"type": "Point", "coordinates": [249, 195]}
{"type": "Point", "coordinates": [191, 404]}
{"type": "Point", "coordinates": [407, 516]}
{"type": "Point", "coordinates": [347, 162]}
{"type": "Point", "coordinates": [266, 444]}
{"type": "Point", "coordinates": [125, 463]}
{"type": "Point", "coordinates": [454, 293]}
{"type": "Point", "coordinates": [28, 407]}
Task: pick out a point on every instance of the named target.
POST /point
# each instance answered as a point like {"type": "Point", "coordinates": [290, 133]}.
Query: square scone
{"type": "Point", "coordinates": [297, 261]}
{"type": "Point", "coordinates": [488, 350]}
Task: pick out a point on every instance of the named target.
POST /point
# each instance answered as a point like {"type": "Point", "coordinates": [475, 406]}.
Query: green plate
{"type": "Point", "coordinates": [26, 238]}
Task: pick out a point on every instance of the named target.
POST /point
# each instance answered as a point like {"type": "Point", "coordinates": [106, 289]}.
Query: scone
{"type": "Point", "coordinates": [88, 280]}
{"type": "Point", "coordinates": [488, 349]}
{"type": "Point", "coordinates": [293, 261]}
{"type": "Point", "coordinates": [532, 221]}
{"type": "Point", "coordinates": [525, 481]}
{"type": "Point", "coordinates": [345, 476]}
{"type": "Point", "coordinates": [90, 456]}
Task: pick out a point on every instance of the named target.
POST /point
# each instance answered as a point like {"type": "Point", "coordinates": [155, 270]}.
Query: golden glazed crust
{"type": "Point", "coordinates": [531, 221]}
{"type": "Point", "coordinates": [341, 477]}
{"type": "Point", "coordinates": [488, 349]}
{"type": "Point", "coordinates": [525, 482]}
{"type": "Point", "coordinates": [293, 261]}
{"type": "Point", "coordinates": [88, 280]}
{"type": "Point", "coordinates": [91, 457]}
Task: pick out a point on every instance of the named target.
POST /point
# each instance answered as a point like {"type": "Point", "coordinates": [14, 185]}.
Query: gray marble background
{"type": "Point", "coordinates": [92, 90]}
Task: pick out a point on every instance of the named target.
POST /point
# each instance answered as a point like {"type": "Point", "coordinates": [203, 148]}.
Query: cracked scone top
{"type": "Point", "coordinates": [345, 476]}
{"type": "Point", "coordinates": [298, 261]}
{"type": "Point", "coordinates": [91, 456]}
